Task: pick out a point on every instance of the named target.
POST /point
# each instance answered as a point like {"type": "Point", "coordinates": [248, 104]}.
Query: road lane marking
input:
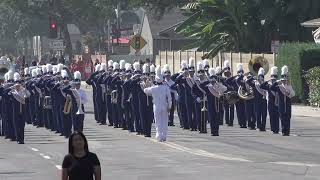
{"type": "Point", "coordinates": [295, 164]}
{"type": "Point", "coordinates": [46, 157]}
{"type": "Point", "coordinates": [200, 152]}
{"type": "Point", "coordinates": [34, 149]}
{"type": "Point", "coordinates": [59, 167]}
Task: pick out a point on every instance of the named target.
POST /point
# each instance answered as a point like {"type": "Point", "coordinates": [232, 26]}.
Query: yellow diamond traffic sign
{"type": "Point", "coordinates": [137, 42]}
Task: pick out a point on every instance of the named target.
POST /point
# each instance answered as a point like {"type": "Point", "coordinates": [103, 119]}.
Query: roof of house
{"type": "Point", "coordinates": [312, 23]}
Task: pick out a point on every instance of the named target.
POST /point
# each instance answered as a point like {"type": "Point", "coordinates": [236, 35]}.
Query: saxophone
{"type": "Point", "coordinates": [67, 105]}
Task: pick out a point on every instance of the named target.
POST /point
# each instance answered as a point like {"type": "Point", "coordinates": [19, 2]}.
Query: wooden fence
{"type": "Point", "coordinates": [174, 58]}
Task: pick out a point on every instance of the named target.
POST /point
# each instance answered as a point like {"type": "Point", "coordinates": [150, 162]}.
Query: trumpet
{"type": "Point", "coordinates": [80, 111]}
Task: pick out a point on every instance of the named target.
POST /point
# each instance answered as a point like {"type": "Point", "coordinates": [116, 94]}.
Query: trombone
{"type": "Point", "coordinates": [203, 121]}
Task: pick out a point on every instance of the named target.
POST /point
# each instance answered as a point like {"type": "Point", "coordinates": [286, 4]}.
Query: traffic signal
{"type": "Point", "coordinates": [53, 30]}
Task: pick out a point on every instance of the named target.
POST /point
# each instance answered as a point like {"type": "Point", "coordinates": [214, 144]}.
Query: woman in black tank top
{"type": "Point", "coordinates": [80, 164]}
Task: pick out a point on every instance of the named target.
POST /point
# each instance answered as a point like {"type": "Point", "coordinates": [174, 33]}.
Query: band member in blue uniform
{"type": "Point", "coordinates": [39, 105]}
{"type": "Point", "coordinates": [126, 98]}
{"type": "Point", "coordinates": [272, 105]}
{"type": "Point", "coordinates": [79, 98]}
{"type": "Point", "coordinates": [59, 96]}
{"type": "Point", "coordinates": [215, 91]}
{"type": "Point", "coordinates": [180, 80]}
{"type": "Point", "coordinates": [92, 82]}
{"type": "Point", "coordinates": [48, 98]}
{"type": "Point", "coordinates": [108, 91]}
{"type": "Point", "coordinates": [173, 91]}
{"type": "Point", "coordinates": [250, 109]}
{"type": "Point", "coordinates": [228, 109]}
{"type": "Point", "coordinates": [191, 123]}
{"type": "Point", "coordinates": [26, 79]}
{"type": "Point", "coordinates": [7, 118]}
{"type": "Point", "coordinates": [116, 93]}
{"type": "Point", "coordinates": [200, 99]}
{"type": "Point", "coordinates": [220, 79]}
{"type": "Point", "coordinates": [121, 79]}
{"type": "Point", "coordinates": [34, 98]}
{"type": "Point", "coordinates": [8, 108]}
{"type": "Point", "coordinates": [67, 119]}
{"type": "Point", "coordinates": [285, 93]}
{"type": "Point", "coordinates": [101, 94]}
{"type": "Point", "coordinates": [135, 87]}
{"type": "Point", "coordinates": [18, 96]}
{"type": "Point", "coordinates": [240, 105]}
{"type": "Point", "coordinates": [260, 100]}
{"type": "Point", "coordinates": [145, 101]}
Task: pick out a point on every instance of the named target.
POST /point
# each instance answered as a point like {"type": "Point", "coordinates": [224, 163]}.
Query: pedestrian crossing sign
{"type": "Point", "coordinates": [137, 42]}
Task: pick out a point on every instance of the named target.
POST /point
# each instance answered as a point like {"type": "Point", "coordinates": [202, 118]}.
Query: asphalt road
{"type": "Point", "coordinates": [236, 154]}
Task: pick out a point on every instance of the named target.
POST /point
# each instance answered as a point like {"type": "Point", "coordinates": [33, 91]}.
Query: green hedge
{"type": "Point", "coordinates": [313, 81]}
{"type": "Point", "coordinates": [291, 54]}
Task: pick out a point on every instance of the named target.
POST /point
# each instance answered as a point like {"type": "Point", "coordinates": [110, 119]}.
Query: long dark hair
{"type": "Point", "coordinates": [71, 149]}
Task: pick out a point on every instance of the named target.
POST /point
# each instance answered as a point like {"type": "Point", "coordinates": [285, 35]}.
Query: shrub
{"type": "Point", "coordinates": [313, 81]}
{"type": "Point", "coordinates": [290, 54]}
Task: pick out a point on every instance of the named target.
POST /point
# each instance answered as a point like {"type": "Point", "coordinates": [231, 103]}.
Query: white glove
{"type": "Point", "coordinates": [198, 100]}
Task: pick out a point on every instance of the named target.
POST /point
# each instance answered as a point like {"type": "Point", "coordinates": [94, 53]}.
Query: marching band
{"type": "Point", "coordinates": [133, 96]}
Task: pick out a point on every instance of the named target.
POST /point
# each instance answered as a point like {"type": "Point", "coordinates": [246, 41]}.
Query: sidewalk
{"type": "Point", "coordinates": [307, 111]}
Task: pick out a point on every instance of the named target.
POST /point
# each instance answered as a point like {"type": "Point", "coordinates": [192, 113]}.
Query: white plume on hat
{"type": "Point", "coordinates": [226, 64]}
{"type": "Point", "coordinates": [64, 73]}
{"type": "Point", "coordinates": [16, 77]}
{"type": "Point", "coordinates": [200, 66]}
{"type": "Point", "coordinates": [34, 73]}
{"type": "Point", "coordinates": [44, 69]}
{"type": "Point", "coordinates": [54, 69]}
{"type": "Point", "coordinates": [6, 76]}
{"type": "Point", "coordinates": [191, 62]}
{"type": "Point", "coordinates": [10, 75]}
{"type": "Point", "coordinates": [115, 65]}
{"type": "Point", "coordinates": [136, 66]}
{"type": "Point", "coordinates": [274, 70]}
{"type": "Point", "coordinates": [184, 64]}
{"type": "Point", "coordinates": [59, 67]}
{"type": "Point", "coordinates": [261, 72]}
{"type": "Point", "coordinates": [103, 67]}
{"type": "Point", "coordinates": [110, 63]}
{"type": "Point", "coordinates": [239, 67]}
{"type": "Point", "coordinates": [77, 75]}
{"type": "Point", "coordinates": [218, 69]}
{"type": "Point", "coordinates": [212, 72]}
{"type": "Point", "coordinates": [26, 71]}
{"type": "Point", "coordinates": [145, 68]}
{"type": "Point", "coordinates": [49, 67]}
{"type": "Point", "coordinates": [166, 68]}
{"type": "Point", "coordinates": [98, 67]}
{"type": "Point", "coordinates": [284, 70]}
{"type": "Point", "coordinates": [39, 72]}
{"type": "Point", "coordinates": [128, 67]}
{"type": "Point", "coordinates": [152, 68]}
{"type": "Point", "coordinates": [159, 76]}
{"type": "Point", "coordinates": [205, 62]}
{"type": "Point", "coordinates": [122, 64]}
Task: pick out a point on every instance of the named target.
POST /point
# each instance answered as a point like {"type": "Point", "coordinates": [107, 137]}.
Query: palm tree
{"type": "Point", "coordinates": [216, 25]}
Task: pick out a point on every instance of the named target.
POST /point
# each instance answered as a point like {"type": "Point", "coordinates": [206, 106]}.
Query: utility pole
{"type": "Point", "coordinates": [118, 21]}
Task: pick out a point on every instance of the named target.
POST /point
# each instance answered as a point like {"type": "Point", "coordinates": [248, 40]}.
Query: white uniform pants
{"type": "Point", "coordinates": [161, 122]}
